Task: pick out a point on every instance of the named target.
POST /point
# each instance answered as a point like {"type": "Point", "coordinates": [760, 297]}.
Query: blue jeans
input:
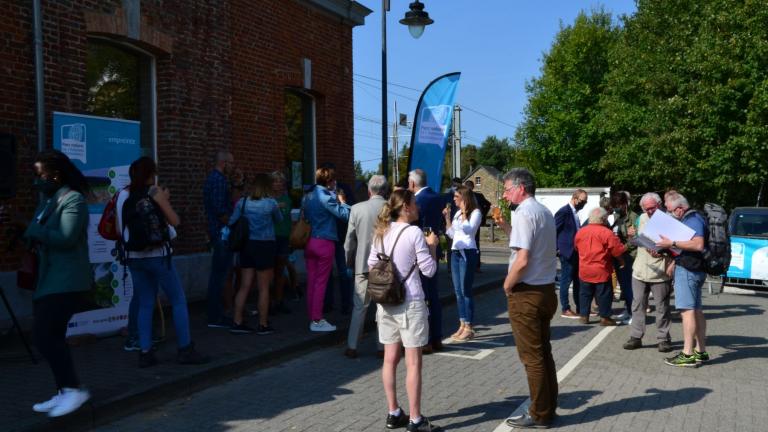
{"type": "Point", "coordinates": [345, 282]}
{"type": "Point", "coordinates": [221, 262]}
{"type": "Point", "coordinates": [148, 274]}
{"type": "Point", "coordinates": [463, 275]}
{"type": "Point", "coordinates": [624, 276]}
{"type": "Point", "coordinates": [602, 293]}
{"type": "Point", "coordinates": [569, 272]}
{"type": "Point", "coordinates": [133, 316]}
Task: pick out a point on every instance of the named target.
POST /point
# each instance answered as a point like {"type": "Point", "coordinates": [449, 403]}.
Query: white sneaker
{"type": "Point", "coordinates": [44, 407]}
{"type": "Point", "coordinates": [622, 316]}
{"type": "Point", "coordinates": [627, 321]}
{"type": "Point", "coordinates": [321, 326]}
{"type": "Point", "coordinates": [70, 400]}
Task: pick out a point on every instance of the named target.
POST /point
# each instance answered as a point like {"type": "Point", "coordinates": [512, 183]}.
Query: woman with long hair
{"type": "Point", "coordinates": [407, 324]}
{"type": "Point", "coordinates": [58, 235]}
{"type": "Point", "coordinates": [464, 257]}
{"type": "Point", "coordinates": [322, 209]}
{"type": "Point", "coordinates": [257, 258]}
{"type": "Point", "coordinates": [152, 265]}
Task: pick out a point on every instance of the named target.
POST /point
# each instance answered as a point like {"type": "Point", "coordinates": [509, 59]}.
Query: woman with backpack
{"type": "Point", "coordinates": [464, 257]}
{"type": "Point", "coordinates": [406, 324]}
{"type": "Point", "coordinates": [322, 208]}
{"type": "Point", "coordinates": [257, 257]}
{"type": "Point", "coordinates": [58, 235]}
{"type": "Point", "coordinates": [146, 221]}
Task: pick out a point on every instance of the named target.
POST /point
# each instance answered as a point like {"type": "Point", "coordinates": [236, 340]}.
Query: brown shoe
{"type": "Point", "coordinates": [465, 335]}
{"type": "Point", "coordinates": [569, 314]}
{"type": "Point", "coordinates": [350, 353]}
{"type": "Point", "coordinates": [607, 322]}
{"type": "Point", "coordinates": [584, 320]}
{"type": "Point", "coordinates": [437, 345]}
{"type": "Point", "coordinates": [458, 332]}
{"type": "Point", "coordinates": [426, 349]}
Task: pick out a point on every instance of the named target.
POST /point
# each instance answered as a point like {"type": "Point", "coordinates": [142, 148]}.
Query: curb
{"type": "Point", "coordinates": [100, 412]}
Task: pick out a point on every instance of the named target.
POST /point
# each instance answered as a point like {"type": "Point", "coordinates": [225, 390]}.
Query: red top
{"type": "Point", "coordinates": [596, 245]}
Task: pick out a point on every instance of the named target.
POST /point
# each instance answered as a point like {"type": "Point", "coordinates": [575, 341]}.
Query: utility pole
{"type": "Point", "coordinates": [395, 165]}
{"type": "Point", "coordinates": [456, 141]}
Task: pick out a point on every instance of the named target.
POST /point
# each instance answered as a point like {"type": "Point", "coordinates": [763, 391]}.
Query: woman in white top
{"type": "Point", "coordinates": [405, 324]}
{"type": "Point", "coordinates": [464, 257]}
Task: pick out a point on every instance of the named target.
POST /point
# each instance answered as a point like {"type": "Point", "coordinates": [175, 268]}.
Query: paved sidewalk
{"type": "Point", "coordinates": [618, 390]}
{"type": "Point", "coordinates": [119, 387]}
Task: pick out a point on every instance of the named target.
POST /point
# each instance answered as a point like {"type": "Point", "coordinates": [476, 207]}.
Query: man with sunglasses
{"type": "Point", "coordinates": [649, 274]}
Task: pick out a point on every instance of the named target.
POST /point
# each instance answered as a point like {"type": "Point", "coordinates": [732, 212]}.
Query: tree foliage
{"type": "Point", "coordinates": [557, 131]}
{"type": "Point", "coordinates": [495, 152]}
{"type": "Point", "coordinates": [676, 96]}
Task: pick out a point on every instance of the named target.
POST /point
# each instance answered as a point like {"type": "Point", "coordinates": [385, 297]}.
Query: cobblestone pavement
{"type": "Point", "coordinates": [469, 389]}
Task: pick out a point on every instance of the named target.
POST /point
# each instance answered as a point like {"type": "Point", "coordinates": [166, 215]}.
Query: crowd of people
{"type": "Point", "coordinates": [250, 222]}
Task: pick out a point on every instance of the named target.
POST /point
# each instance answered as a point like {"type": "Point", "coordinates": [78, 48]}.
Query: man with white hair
{"type": "Point", "coordinates": [689, 276]}
{"type": "Point", "coordinates": [597, 248]}
{"type": "Point", "coordinates": [357, 245]}
{"type": "Point", "coordinates": [649, 274]}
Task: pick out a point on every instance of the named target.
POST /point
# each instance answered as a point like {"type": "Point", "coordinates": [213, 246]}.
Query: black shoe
{"type": "Point", "coordinates": [222, 323]}
{"type": "Point", "coordinates": [525, 421]}
{"type": "Point", "coordinates": [240, 329]}
{"type": "Point", "coordinates": [147, 359]}
{"type": "Point", "coordinates": [398, 421]}
{"type": "Point", "coordinates": [189, 356]}
{"type": "Point", "coordinates": [351, 353]}
{"type": "Point", "coordinates": [423, 426]}
{"type": "Point", "coordinates": [633, 343]}
{"type": "Point", "coordinates": [264, 330]}
{"type": "Point", "coordinates": [665, 346]}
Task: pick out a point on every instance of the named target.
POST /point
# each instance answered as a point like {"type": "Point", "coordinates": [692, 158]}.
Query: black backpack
{"type": "Point", "coordinates": [145, 222]}
{"type": "Point", "coordinates": [717, 251]}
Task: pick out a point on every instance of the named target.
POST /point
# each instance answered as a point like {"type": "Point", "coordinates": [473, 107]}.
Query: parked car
{"type": "Point", "coordinates": [748, 227]}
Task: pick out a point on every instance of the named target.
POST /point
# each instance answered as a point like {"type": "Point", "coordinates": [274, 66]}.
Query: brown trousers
{"type": "Point", "coordinates": [531, 308]}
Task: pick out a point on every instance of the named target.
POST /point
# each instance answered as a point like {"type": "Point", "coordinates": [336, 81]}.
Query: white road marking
{"type": "Point", "coordinates": [561, 374]}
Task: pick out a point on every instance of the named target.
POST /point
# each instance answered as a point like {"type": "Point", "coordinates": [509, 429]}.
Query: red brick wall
{"type": "Point", "coordinates": [220, 86]}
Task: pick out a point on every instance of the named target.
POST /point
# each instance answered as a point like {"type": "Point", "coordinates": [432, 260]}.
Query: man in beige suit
{"type": "Point", "coordinates": [362, 222]}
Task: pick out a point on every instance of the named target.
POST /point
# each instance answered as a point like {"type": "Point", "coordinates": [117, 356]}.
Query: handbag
{"type": "Point", "coordinates": [239, 231]}
{"type": "Point", "coordinates": [300, 232]}
{"type": "Point", "coordinates": [383, 286]}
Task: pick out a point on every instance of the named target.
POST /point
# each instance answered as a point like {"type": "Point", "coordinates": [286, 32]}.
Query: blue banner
{"type": "Point", "coordinates": [432, 125]}
{"type": "Point", "coordinates": [749, 258]}
{"type": "Point", "coordinates": [103, 149]}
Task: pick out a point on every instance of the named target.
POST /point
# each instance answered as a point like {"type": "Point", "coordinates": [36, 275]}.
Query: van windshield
{"type": "Point", "coordinates": [750, 225]}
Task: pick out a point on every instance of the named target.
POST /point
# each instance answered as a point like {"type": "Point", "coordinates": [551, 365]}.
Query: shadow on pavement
{"type": "Point", "coordinates": [479, 414]}
{"type": "Point", "coordinates": [713, 312]}
{"type": "Point", "coordinates": [654, 400]}
{"type": "Point", "coordinates": [741, 347]}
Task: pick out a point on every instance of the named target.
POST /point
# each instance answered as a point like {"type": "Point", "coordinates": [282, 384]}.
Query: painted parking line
{"type": "Point", "coordinates": [561, 374]}
{"type": "Point", "coordinates": [469, 347]}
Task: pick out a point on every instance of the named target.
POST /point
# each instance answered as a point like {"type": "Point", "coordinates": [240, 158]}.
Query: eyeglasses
{"type": "Point", "coordinates": [512, 188]}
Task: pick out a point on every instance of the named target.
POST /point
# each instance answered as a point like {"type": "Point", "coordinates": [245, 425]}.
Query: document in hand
{"type": "Point", "coordinates": [663, 224]}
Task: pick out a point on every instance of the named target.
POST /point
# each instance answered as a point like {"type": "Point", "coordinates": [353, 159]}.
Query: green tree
{"type": "Point", "coordinates": [494, 152]}
{"type": "Point", "coordinates": [686, 100]}
{"type": "Point", "coordinates": [557, 137]}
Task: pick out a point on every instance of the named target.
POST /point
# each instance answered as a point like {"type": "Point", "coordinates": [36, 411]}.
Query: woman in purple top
{"type": "Point", "coordinates": [405, 324]}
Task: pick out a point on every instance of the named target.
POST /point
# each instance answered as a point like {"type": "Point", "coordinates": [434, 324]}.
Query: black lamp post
{"type": "Point", "coordinates": [416, 19]}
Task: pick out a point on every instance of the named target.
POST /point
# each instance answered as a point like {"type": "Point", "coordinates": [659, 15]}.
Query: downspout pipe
{"type": "Point", "coordinates": [37, 27]}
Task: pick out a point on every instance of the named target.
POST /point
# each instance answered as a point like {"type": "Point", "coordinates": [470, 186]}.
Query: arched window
{"type": "Point", "coordinates": [121, 84]}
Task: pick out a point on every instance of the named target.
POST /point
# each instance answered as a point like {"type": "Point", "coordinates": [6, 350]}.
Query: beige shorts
{"type": "Point", "coordinates": [407, 323]}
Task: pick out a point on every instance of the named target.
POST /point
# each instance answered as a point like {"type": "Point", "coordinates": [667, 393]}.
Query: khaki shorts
{"type": "Point", "coordinates": [407, 323]}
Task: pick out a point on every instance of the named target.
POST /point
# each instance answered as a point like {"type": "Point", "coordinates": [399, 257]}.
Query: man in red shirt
{"type": "Point", "coordinates": [597, 245]}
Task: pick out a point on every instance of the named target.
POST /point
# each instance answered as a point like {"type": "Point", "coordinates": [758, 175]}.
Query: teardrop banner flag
{"type": "Point", "coordinates": [432, 126]}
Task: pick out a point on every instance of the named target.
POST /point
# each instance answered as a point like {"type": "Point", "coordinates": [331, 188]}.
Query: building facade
{"type": "Point", "coordinates": [270, 81]}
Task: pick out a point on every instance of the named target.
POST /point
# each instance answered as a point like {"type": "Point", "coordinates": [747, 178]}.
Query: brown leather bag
{"type": "Point", "coordinates": [300, 232]}
{"type": "Point", "coordinates": [383, 286]}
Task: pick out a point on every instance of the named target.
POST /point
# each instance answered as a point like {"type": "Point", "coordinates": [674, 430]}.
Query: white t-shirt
{"type": "Point", "coordinates": [151, 253]}
{"type": "Point", "coordinates": [534, 230]}
{"type": "Point", "coordinates": [463, 231]}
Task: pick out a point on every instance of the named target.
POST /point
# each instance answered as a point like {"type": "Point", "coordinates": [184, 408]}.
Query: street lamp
{"type": "Point", "coordinates": [416, 19]}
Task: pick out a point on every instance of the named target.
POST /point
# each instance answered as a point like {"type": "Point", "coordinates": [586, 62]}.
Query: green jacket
{"type": "Point", "coordinates": [62, 244]}
{"type": "Point", "coordinates": [623, 224]}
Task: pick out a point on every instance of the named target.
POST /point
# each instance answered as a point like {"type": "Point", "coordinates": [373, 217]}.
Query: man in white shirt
{"type": "Point", "coordinates": [531, 299]}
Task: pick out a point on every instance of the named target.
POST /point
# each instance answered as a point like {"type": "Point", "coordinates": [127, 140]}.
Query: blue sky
{"type": "Point", "coordinates": [496, 44]}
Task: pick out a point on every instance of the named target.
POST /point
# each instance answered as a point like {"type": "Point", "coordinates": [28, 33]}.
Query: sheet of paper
{"type": "Point", "coordinates": [663, 224]}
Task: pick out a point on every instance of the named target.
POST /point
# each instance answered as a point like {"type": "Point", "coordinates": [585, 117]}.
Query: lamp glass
{"type": "Point", "coordinates": [416, 30]}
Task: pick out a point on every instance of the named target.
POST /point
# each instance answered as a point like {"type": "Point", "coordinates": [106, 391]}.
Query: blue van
{"type": "Point", "coordinates": [748, 228]}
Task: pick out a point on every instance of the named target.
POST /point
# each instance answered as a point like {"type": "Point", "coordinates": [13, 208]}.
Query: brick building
{"type": "Point", "coordinates": [269, 80]}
